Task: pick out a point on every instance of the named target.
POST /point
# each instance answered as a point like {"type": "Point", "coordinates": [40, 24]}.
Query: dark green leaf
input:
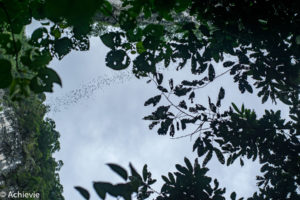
{"type": "Point", "coordinates": [204, 30]}
{"type": "Point", "coordinates": [233, 196]}
{"type": "Point", "coordinates": [83, 192]}
{"type": "Point", "coordinates": [119, 170]}
{"type": "Point", "coordinates": [171, 84]}
{"type": "Point", "coordinates": [235, 108]}
{"type": "Point", "coordinates": [5, 73]}
{"type": "Point", "coordinates": [219, 156]}
{"type": "Point", "coordinates": [111, 39]}
{"type": "Point", "coordinates": [220, 96]}
{"type": "Point", "coordinates": [155, 30]}
{"type": "Point", "coordinates": [216, 184]}
{"type": "Point", "coordinates": [182, 169]}
{"type": "Point", "coordinates": [228, 64]}
{"type": "Point", "coordinates": [159, 78]}
{"type": "Point", "coordinates": [161, 88]}
{"type": "Point", "coordinates": [62, 47]}
{"type": "Point", "coordinates": [241, 162]}
{"type": "Point", "coordinates": [265, 98]}
{"type": "Point", "coordinates": [102, 188]}
{"type": "Point", "coordinates": [134, 172]}
{"type": "Point", "coordinates": [182, 104]}
{"type": "Point", "coordinates": [221, 93]}
{"type": "Point", "coordinates": [181, 5]}
{"type": "Point", "coordinates": [171, 177]}
{"type": "Point", "coordinates": [207, 158]}
{"type": "Point", "coordinates": [249, 88]}
{"type": "Point", "coordinates": [37, 34]}
{"type": "Point", "coordinates": [264, 167]}
{"type": "Point", "coordinates": [211, 72]}
{"type": "Point", "coordinates": [145, 172]}
{"type": "Point", "coordinates": [44, 81]}
{"type": "Point", "coordinates": [165, 179]}
{"type": "Point", "coordinates": [153, 100]}
{"type": "Point", "coordinates": [117, 60]}
{"type": "Point", "coordinates": [106, 8]}
{"type": "Point", "coordinates": [181, 91]}
{"type": "Point", "coordinates": [188, 164]}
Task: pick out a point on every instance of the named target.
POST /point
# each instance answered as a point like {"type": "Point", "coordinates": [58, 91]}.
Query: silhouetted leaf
{"type": "Point", "coordinates": [182, 169]}
{"type": "Point", "coordinates": [233, 196]}
{"type": "Point", "coordinates": [145, 172]}
{"type": "Point", "coordinates": [161, 88]}
{"type": "Point", "coordinates": [83, 192]}
{"type": "Point", "coordinates": [181, 91]}
{"type": "Point", "coordinates": [265, 98]}
{"type": "Point", "coordinates": [102, 188]}
{"type": "Point", "coordinates": [220, 96]}
{"type": "Point", "coordinates": [264, 167]}
{"type": "Point", "coordinates": [117, 60]}
{"type": "Point", "coordinates": [219, 156]}
{"type": "Point", "coordinates": [165, 179]}
{"type": "Point", "coordinates": [228, 64]}
{"type": "Point", "coordinates": [44, 80]}
{"type": "Point", "coordinates": [134, 172]}
{"type": "Point", "coordinates": [192, 96]}
{"type": "Point", "coordinates": [235, 108]}
{"type": "Point", "coordinates": [154, 100]}
{"type": "Point", "coordinates": [249, 88]}
{"type": "Point", "coordinates": [171, 178]}
{"type": "Point", "coordinates": [63, 46]}
{"type": "Point", "coordinates": [111, 39]}
{"type": "Point", "coordinates": [182, 104]}
{"type": "Point", "coordinates": [221, 93]}
{"type": "Point", "coordinates": [216, 184]}
{"type": "Point", "coordinates": [188, 164]}
{"type": "Point", "coordinates": [119, 170]}
{"type": "Point", "coordinates": [241, 162]}
{"type": "Point", "coordinates": [211, 72]}
{"type": "Point", "coordinates": [172, 130]}
{"type": "Point", "coordinates": [207, 158]}
{"type": "Point", "coordinates": [38, 34]}
{"type": "Point", "coordinates": [171, 84]}
{"type": "Point", "coordinates": [159, 78]}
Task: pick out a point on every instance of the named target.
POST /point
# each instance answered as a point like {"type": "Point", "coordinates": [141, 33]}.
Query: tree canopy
{"type": "Point", "coordinates": [28, 141]}
{"type": "Point", "coordinates": [257, 43]}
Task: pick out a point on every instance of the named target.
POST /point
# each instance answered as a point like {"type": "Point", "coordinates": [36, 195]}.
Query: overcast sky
{"type": "Point", "coordinates": [99, 112]}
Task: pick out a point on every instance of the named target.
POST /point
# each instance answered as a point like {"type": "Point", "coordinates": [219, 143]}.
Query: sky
{"type": "Point", "coordinates": [99, 112]}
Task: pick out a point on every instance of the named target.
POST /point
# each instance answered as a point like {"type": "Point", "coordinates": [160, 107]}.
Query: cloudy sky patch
{"type": "Point", "coordinates": [105, 125]}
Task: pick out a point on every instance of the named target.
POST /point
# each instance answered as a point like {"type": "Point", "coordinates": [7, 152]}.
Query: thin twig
{"type": "Point", "coordinates": [191, 134]}
{"type": "Point", "coordinates": [172, 102]}
{"type": "Point", "coordinates": [212, 80]}
{"type": "Point", "coordinates": [153, 190]}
